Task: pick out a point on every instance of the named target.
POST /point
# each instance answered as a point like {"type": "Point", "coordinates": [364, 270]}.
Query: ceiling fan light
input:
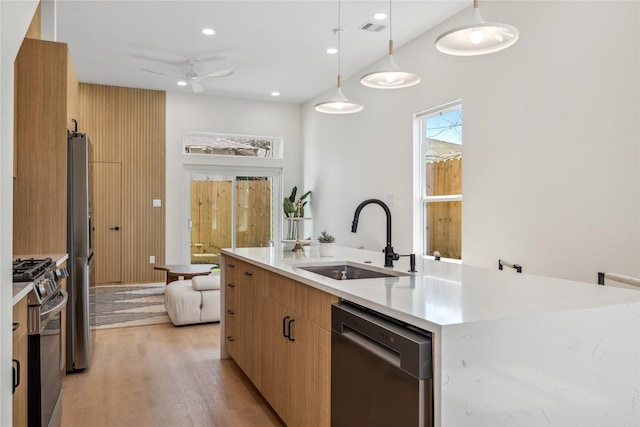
{"type": "Point", "coordinates": [182, 83]}
{"type": "Point", "coordinates": [339, 104]}
{"type": "Point", "coordinates": [477, 38]}
{"type": "Point", "coordinates": [390, 77]}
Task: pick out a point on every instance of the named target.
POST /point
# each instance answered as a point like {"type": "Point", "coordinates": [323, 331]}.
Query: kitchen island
{"type": "Point", "coordinates": [509, 349]}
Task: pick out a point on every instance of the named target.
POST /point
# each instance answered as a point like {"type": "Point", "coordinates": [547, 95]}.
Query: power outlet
{"type": "Point", "coordinates": [152, 259]}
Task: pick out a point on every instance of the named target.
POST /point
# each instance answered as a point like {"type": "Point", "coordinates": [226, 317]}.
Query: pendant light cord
{"type": "Point", "coordinates": [390, 23]}
{"type": "Point", "coordinates": [390, 31]}
{"type": "Point", "coordinates": [339, 47]}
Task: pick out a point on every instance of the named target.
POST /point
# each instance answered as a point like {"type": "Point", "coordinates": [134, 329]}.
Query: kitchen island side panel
{"type": "Point", "coordinates": [512, 371]}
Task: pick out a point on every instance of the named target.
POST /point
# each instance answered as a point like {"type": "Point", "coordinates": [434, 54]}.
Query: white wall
{"type": "Point", "coordinates": [222, 115]}
{"type": "Point", "coordinates": [15, 17]}
{"type": "Point", "coordinates": [551, 175]}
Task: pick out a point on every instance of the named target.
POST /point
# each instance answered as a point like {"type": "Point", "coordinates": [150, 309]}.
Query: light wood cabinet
{"type": "Point", "coordinates": [46, 99]}
{"type": "Point", "coordinates": [20, 354]}
{"type": "Point", "coordinates": [286, 351]}
{"type": "Point", "coordinates": [241, 327]}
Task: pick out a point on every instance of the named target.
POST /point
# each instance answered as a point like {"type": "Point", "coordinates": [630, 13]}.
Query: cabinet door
{"type": "Point", "coordinates": [20, 353]}
{"type": "Point", "coordinates": [247, 319]}
{"type": "Point", "coordinates": [310, 383]}
{"type": "Point", "coordinates": [240, 311]}
{"type": "Point", "coordinates": [275, 358]}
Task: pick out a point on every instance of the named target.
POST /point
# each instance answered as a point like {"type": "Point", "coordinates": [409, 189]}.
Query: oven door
{"type": "Point", "coordinates": [45, 368]}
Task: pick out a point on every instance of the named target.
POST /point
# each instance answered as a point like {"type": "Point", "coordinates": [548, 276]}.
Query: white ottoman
{"type": "Point", "coordinates": [193, 301]}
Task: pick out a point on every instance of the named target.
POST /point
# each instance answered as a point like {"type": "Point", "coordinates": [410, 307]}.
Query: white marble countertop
{"type": "Point", "coordinates": [441, 293]}
{"type": "Point", "coordinates": [21, 289]}
{"type": "Point", "coordinates": [511, 349]}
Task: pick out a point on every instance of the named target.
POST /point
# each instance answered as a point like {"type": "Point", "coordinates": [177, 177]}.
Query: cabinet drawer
{"type": "Point", "coordinates": [279, 288]}
{"type": "Point", "coordinates": [246, 274]}
{"type": "Point", "coordinates": [314, 304]}
{"type": "Point", "coordinates": [230, 321]}
{"type": "Point", "coordinates": [20, 315]}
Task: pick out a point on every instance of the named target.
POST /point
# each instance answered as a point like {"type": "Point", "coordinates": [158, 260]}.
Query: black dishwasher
{"type": "Point", "coordinates": [381, 370]}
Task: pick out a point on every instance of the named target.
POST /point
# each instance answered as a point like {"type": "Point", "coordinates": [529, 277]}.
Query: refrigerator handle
{"type": "Point", "coordinates": [189, 224]}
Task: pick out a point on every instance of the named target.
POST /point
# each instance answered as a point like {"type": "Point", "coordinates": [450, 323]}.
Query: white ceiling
{"type": "Point", "coordinates": [270, 45]}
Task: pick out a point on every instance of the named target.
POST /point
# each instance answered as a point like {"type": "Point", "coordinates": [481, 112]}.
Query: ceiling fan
{"type": "Point", "coordinates": [192, 77]}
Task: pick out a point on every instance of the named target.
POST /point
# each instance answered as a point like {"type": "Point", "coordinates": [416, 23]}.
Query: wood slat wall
{"type": "Point", "coordinates": [127, 126]}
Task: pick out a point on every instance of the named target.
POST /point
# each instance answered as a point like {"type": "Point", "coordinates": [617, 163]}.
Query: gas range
{"type": "Point", "coordinates": [45, 276]}
{"type": "Point", "coordinates": [25, 270]}
{"type": "Point", "coordinates": [45, 324]}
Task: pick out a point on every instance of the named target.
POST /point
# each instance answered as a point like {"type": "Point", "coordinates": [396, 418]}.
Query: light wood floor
{"type": "Point", "coordinates": [162, 375]}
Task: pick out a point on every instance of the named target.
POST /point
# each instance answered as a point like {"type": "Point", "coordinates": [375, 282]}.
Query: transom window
{"type": "Point", "coordinates": [222, 144]}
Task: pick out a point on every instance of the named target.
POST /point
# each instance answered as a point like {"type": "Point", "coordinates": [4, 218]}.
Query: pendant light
{"type": "Point", "coordinates": [390, 76]}
{"type": "Point", "coordinates": [339, 104]}
{"type": "Point", "coordinates": [477, 38]}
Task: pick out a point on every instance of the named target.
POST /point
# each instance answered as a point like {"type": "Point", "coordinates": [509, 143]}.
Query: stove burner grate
{"type": "Point", "coordinates": [26, 270]}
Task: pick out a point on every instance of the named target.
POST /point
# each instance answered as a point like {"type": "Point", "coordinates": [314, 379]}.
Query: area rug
{"type": "Point", "coordinates": [120, 306]}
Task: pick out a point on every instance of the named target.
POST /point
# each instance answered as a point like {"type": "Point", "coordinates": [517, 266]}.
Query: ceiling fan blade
{"type": "Point", "coordinates": [197, 87]}
{"type": "Point", "coordinates": [219, 73]}
{"type": "Point", "coordinates": [179, 76]}
{"type": "Point", "coordinates": [212, 58]}
{"type": "Point", "coordinates": [174, 59]}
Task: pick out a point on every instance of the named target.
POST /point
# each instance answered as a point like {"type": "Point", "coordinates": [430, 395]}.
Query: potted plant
{"type": "Point", "coordinates": [327, 244]}
{"type": "Point", "coordinates": [294, 209]}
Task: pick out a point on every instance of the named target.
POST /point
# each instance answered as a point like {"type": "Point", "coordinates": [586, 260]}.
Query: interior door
{"type": "Point", "coordinates": [107, 202]}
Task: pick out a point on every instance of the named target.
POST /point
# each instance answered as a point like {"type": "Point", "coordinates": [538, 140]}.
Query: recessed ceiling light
{"type": "Point", "coordinates": [380, 16]}
{"type": "Point", "coordinates": [332, 50]}
{"type": "Point", "coordinates": [208, 31]}
{"type": "Point", "coordinates": [275, 93]}
{"type": "Point", "coordinates": [182, 83]}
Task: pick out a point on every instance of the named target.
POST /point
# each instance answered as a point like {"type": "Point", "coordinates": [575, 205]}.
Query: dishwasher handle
{"type": "Point", "coordinates": [402, 345]}
{"type": "Point", "coordinates": [371, 346]}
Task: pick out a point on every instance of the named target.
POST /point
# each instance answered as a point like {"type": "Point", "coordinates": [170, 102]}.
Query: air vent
{"type": "Point", "coordinates": [370, 26]}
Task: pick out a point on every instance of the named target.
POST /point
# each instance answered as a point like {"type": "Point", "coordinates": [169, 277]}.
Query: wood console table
{"type": "Point", "coordinates": [188, 271]}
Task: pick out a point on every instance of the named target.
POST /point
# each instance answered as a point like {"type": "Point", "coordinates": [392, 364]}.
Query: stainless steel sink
{"type": "Point", "coordinates": [345, 271]}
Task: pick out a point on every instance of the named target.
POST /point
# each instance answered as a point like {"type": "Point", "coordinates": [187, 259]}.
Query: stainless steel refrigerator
{"type": "Point", "coordinates": [81, 303]}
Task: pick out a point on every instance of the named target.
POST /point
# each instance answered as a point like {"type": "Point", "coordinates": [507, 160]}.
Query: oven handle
{"type": "Point", "coordinates": [56, 309]}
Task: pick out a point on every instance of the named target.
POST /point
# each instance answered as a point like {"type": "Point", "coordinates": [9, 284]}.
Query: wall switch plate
{"type": "Point", "coordinates": [152, 259]}
{"type": "Point", "coordinates": [157, 203]}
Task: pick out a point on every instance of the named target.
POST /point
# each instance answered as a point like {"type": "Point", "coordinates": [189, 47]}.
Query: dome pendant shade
{"type": "Point", "coordinates": [390, 77]}
{"type": "Point", "coordinates": [339, 104]}
{"type": "Point", "coordinates": [477, 38]}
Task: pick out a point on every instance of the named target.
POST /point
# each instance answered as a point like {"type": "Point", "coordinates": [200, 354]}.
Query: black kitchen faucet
{"type": "Point", "coordinates": [389, 254]}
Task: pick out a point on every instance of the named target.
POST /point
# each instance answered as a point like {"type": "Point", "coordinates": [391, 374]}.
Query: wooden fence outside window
{"type": "Point", "coordinates": [444, 218]}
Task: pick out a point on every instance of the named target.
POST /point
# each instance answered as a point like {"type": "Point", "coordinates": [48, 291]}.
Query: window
{"type": "Point", "coordinates": [441, 180]}
{"type": "Point", "coordinates": [221, 144]}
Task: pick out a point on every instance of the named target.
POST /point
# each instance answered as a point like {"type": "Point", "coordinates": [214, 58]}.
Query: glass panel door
{"type": "Point", "coordinates": [229, 211]}
{"type": "Point", "coordinates": [253, 212]}
{"type": "Point", "coordinates": [211, 213]}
